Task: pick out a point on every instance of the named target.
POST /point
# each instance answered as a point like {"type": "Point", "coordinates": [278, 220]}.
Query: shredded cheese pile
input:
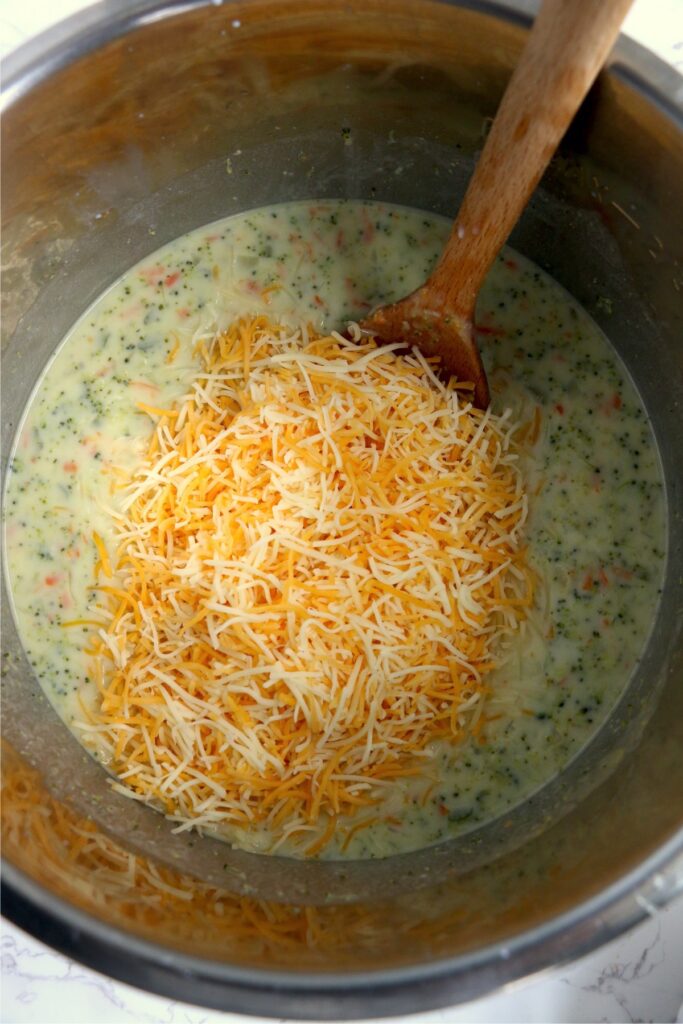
{"type": "Point", "coordinates": [319, 561]}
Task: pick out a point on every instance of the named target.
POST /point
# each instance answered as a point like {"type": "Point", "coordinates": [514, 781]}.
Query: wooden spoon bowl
{"type": "Point", "coordinates": [567, 46]}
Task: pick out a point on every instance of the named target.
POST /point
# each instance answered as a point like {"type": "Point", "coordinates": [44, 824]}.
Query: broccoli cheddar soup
{"type": "Point", "coordinates": [285, 583]}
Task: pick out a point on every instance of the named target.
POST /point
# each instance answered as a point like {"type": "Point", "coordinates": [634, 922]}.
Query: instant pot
{"type": "Point", "coordinates": [136, 121]}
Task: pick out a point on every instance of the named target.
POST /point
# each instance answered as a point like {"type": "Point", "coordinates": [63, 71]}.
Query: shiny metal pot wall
{"type": "Point", "coordinates": [117, 130]}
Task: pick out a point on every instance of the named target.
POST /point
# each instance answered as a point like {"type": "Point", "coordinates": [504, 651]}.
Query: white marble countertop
{"type": "Point", "coordinates": [639, 977]}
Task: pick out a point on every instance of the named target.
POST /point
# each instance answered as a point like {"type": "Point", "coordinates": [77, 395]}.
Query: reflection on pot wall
{"type": "Point", "coordinates": [78, 861]}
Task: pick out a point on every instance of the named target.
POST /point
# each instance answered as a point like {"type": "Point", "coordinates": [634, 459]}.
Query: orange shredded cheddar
{"type": "Point", "coordinates": [154, 411]}
{"type": "Point", "coordinates": [104, 564]}
{"type": "Point", "coordinates": [173, 352]}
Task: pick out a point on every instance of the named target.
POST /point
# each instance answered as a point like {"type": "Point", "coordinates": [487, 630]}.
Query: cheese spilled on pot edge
{"type": "Point", "coordinates": [593, 540]}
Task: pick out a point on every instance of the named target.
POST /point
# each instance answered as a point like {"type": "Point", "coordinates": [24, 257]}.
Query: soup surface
{"type": "Point", "coordinates": [595, 531]}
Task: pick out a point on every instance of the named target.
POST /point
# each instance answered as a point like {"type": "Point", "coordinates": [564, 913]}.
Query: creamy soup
{"type": "Point", "coordinates": [596, 524]}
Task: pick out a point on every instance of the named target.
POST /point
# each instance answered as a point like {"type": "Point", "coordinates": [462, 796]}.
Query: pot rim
{"type": "Point", "coordinates": [328, 995]}
{"type": "Point", "coordinates": [346, 995]}
{"type": "Point", "coordinates": [80, 33]}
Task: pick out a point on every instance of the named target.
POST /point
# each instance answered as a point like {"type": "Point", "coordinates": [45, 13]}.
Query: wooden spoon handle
{"type": "Point", "coordinates": [567, 46]}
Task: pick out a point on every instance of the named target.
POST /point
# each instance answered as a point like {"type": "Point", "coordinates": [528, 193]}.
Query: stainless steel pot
{"type": "Point", "coordinates": [117, 128]}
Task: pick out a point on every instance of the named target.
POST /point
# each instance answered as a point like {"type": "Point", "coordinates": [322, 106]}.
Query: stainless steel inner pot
{"type": "Point", "coordinates": [116, 133]}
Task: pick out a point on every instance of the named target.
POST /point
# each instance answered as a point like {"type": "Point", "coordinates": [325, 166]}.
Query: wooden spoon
{"type": "Point", "coordinates": [566, 48]}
